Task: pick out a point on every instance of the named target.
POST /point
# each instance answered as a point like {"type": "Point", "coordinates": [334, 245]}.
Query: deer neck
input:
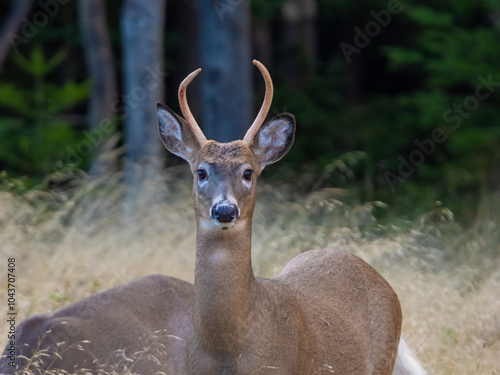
{"type": "Point", "coordinates": [224, 287]}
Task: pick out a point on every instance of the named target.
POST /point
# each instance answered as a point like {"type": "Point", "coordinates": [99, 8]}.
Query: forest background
{"type": "Point", "coordinates": [395, 100]}
{"type": "Point", "coordinates": [396, 157]}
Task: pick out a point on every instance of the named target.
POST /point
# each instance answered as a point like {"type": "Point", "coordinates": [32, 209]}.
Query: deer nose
{"type": "Point", "coordinates": [224, 212]}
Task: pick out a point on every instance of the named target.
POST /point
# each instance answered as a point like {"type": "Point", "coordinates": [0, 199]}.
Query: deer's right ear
{"type": "Point", "coordinates": [175, 134]}
{"type": "Point", "coordinates": [274, 139]}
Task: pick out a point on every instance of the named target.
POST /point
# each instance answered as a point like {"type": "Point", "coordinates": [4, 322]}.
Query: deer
{"type": "Point", "coordinates": [326, 312]}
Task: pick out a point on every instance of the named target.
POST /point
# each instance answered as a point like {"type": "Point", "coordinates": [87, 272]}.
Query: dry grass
{"type": "Point", "coordinates": [69, 246]}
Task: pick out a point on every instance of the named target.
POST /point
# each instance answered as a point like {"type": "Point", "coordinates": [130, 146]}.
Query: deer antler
{"type": "Point", "coordinates": [268, 98]}
{"type": "Point", "coordinates": [188, 116]}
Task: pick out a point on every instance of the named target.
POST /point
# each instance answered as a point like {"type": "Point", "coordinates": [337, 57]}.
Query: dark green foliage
{"type": "Point", "coordinates": [369, 114]}
{"type": "Point", "coordinates": [454, 50]}
{"type": "Point", "coordinates": [406, 83]}
{"type": "Point", "coordinates": [33, 133]}
{"type": "Point", "coordinates": [266, 9]}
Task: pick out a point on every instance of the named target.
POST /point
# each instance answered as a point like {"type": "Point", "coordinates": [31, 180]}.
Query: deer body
{"type": "Point", "coordinates": [239, 320]}
{"type": "Point", "coordinates": [317, 316]}
{"type": "Point", "coordinates": [326, 312]}
{"type": "Point", "coordinates": [145, 317]}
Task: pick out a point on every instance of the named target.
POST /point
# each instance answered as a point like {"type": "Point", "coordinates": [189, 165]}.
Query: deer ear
{"type": "Point", "coordinates": [175, 134]}
{"type": "Point", "coordinates": [274, 139]}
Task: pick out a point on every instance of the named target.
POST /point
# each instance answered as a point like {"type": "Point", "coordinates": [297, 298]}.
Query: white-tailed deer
{"type": "Point", "coordinates": [326, 312]}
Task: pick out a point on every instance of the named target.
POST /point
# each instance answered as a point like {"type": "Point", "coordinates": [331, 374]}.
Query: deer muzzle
{"type": "Point", "coordinates": [225, 212]}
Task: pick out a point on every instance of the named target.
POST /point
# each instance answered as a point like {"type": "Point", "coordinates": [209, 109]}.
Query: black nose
{"type": "Point", "coordinates": [224, 212]}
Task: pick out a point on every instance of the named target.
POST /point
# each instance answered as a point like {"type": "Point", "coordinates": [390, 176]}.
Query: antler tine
{"type": "Point", "coordinates": [266, 105]}
{"type": "Point", "coordinates": [188, 116]}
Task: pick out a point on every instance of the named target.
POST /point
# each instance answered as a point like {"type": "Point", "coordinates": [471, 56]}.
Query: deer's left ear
{"type": "Point", "coordinates": [274, 139]}
{"type": "Point", "coordinates": [176, 135]}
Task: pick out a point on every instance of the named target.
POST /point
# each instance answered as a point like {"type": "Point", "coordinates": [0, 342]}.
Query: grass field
{"type": "Point", "coordinates": [71, 245]}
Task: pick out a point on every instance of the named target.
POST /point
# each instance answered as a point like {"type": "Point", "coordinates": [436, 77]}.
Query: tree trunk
{"type": "Point", "coordinates": [262, 42]}
{"type": "Point", "coordinates": [9, 35]}
{"type": "Point", "coordinates": [226, 63]}
{"type": "Point", "coordinates": [262, 45]}
{"type": "Point", "coordinates": [299, 40]}
{"type": "Point", "coordinates": [186, 55]}
{"type": "Point", "coordinates": [142, 38]}
{"type": "Point", "coordinates": [100, 65]}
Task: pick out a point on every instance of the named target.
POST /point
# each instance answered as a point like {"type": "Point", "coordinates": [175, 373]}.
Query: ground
{"type": "Point", "coordinates": [70, 245]}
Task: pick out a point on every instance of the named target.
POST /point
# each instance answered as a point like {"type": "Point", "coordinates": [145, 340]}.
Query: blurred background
{"type": "Point", "coordinates": [370, 82]}
{"type": "Point", "coordinates": [396, 156]}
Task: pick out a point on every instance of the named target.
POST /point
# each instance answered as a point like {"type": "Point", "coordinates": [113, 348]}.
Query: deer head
{"type": "Point", "coordinates": [225, 173]}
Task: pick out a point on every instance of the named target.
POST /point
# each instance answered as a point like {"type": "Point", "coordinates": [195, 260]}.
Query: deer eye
{"type": "Point", "coordinates": [247, 175]}
{"type": "Point", "coordinates": [202, 174]}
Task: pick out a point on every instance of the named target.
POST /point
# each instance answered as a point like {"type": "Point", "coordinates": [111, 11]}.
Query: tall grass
{"type": "Point", "coordinates": [74, 243]}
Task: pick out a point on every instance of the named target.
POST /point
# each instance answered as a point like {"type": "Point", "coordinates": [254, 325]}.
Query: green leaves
{"type": "Point", "coordinates": [62, 98]}
{"type": "Point", "coordinates": [37, 65]}
{"type": "Point", "coordinates": [32, 134]}
{"type": "Point", "coordinates": [427, 17]}
{"type": "Point", "coordinates": [15, 99]}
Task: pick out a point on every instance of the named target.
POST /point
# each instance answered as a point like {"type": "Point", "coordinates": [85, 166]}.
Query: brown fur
{"type": "Point", "coordinates": [326, 312]}
{"type": "Point", "coordinates": [146, 315]}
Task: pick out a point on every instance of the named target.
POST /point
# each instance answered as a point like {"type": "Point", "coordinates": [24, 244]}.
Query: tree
{"type": "Point", "coordinates": [100, 65]}
{"type": "Point", "coordinates": [35, 137]}
{"type": "Point", "coordinates": [185, 53]}
{"type": "Point", "coordinates": [298, 39]}
{"type": "Point", "coordinates": [226, 77]}
{"type": "Point", "coordinates": [142, 24]}
{"type": "Point", "coordinates": [13, 22]}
